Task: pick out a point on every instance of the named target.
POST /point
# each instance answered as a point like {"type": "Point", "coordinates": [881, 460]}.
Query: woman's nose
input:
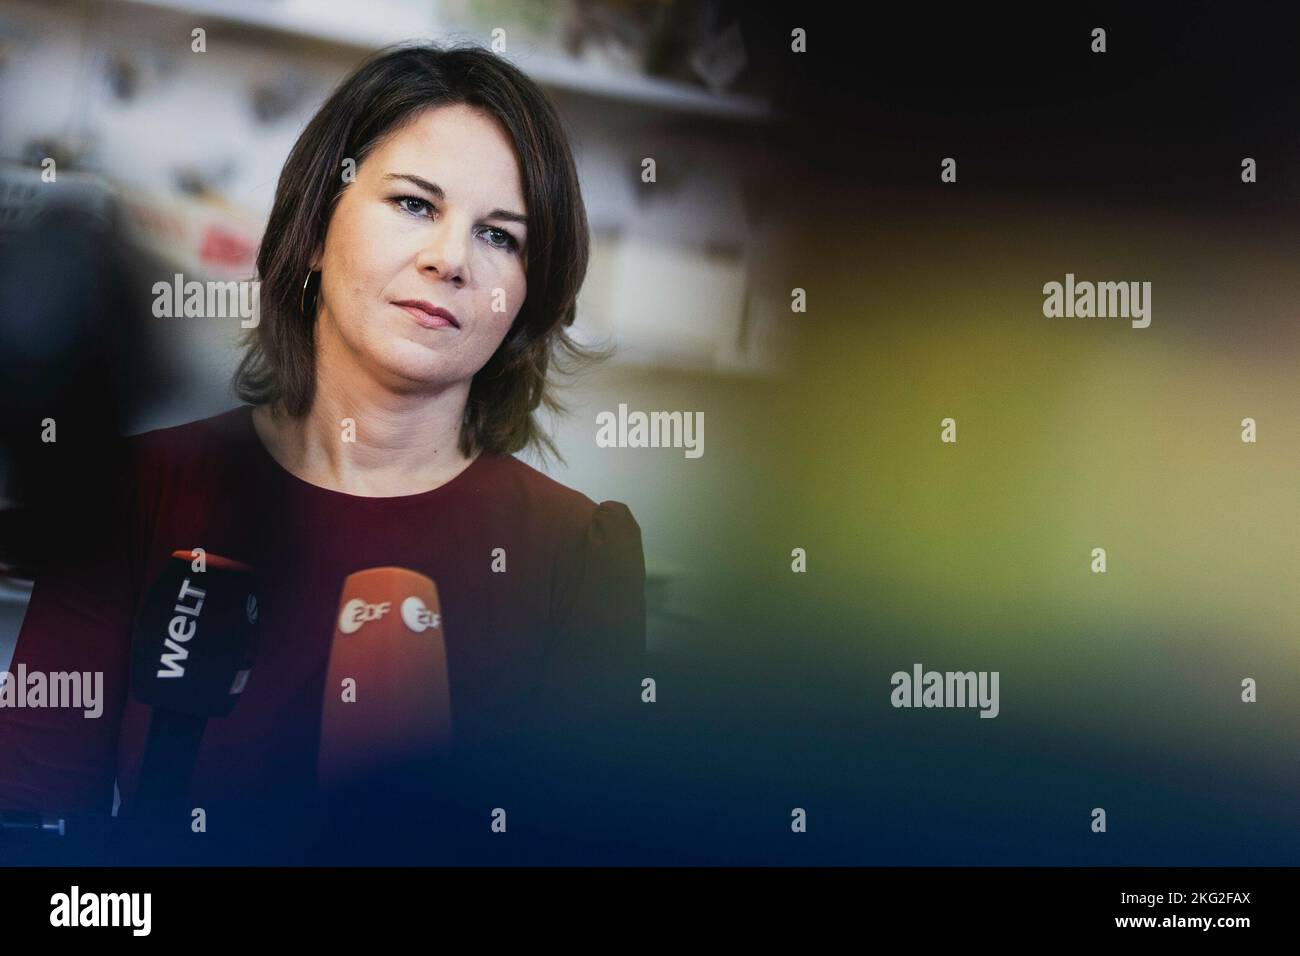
{"type": "Point", "coordinates": [445, 252]}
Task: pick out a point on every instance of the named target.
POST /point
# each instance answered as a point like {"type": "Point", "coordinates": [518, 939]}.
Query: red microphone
{"type": "Point", "coordinates": [387, 700]}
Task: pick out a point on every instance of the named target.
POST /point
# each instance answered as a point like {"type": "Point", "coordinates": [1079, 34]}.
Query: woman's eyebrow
{"type": "Point", "coordinates": [435, 190]}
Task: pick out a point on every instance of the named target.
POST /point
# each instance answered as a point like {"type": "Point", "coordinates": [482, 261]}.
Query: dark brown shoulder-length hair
{"type": "Point", "coordinates": [388, 90]}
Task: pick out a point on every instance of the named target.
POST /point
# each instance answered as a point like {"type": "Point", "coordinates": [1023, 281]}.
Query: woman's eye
{"type": "Point", "coordinates": [501, 239]}
{"type": "Point", "coordinates": [412, 204]}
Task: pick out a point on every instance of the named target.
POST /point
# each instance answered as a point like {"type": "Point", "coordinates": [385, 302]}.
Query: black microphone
{"type": "Point", "coordinates": [191, 655]}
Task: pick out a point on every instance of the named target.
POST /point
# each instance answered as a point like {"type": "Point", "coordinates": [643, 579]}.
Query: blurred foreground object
{"type": "Point", "coordinates": [65, 385]}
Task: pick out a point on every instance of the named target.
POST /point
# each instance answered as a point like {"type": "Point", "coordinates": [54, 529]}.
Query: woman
{"type": "Point", "coordinates": [421, 260]}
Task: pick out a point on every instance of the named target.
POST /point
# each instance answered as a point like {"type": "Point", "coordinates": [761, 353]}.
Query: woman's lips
{"type": "Point", "coordinates": [428, 315]}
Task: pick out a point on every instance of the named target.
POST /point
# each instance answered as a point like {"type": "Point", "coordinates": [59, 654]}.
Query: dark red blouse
{"type": "Point", "coordinates": [567, 616]}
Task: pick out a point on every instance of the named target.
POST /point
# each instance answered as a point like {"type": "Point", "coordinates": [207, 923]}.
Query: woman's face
{"type": "Point", "coordinates": [433, 217]}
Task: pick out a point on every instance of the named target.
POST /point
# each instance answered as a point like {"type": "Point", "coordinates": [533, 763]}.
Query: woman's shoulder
{"type": "Point", "coordinates": [172, 451]}
{"type": "Point", "coordinates": [599, 580]}
{"type": "Point", "coordinates": [538, 493]}
{"type": "Point", "coordinates": [230, 424]}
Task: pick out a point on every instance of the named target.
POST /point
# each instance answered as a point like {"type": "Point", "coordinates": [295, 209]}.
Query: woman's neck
{"type": "Point", "coordinates": [370, 441]}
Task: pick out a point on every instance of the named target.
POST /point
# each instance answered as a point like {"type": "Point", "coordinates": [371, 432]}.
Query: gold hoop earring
{"type": "Point", "coordinates": [302, 300]}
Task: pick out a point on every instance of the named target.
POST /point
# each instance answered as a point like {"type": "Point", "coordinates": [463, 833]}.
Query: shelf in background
{"type": "Point", "coordinates": [379, 23]}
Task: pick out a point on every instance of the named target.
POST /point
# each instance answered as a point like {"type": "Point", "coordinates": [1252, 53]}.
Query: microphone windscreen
{"type": "Point", "coordinates": [387, 698]}
{"type": "Point", "coordinates": [195, 636]}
